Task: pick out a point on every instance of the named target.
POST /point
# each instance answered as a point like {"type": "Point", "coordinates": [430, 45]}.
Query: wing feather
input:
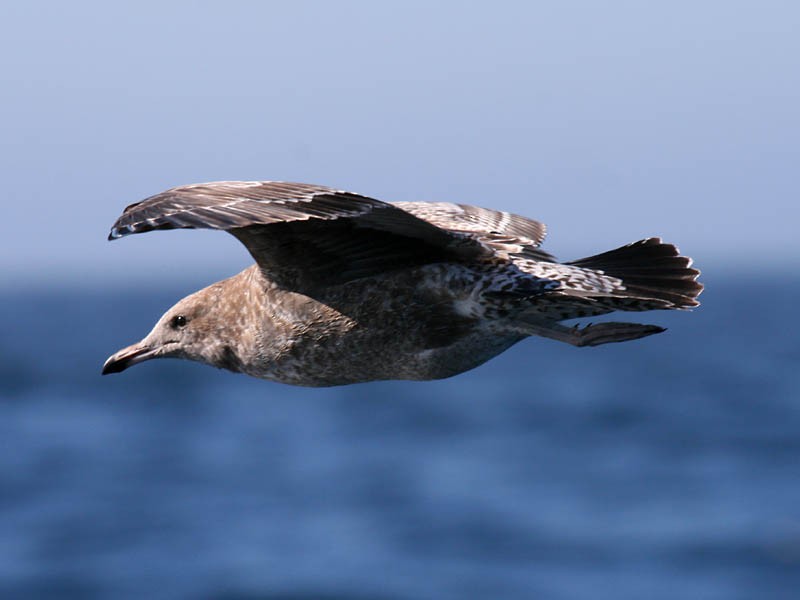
{"type": "Point", "coordinates": [304, 235]}
{"type": "Point", "coordinates": [231, 204]}
{"type": "Point", "coordinates": [501, 231]}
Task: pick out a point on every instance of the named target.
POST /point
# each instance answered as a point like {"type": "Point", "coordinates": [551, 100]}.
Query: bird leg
{"type": "Point", "coordinates": [590, 335]}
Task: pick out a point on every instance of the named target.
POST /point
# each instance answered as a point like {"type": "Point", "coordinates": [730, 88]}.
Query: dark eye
{"type": "Point", "coordinates": [177, 322]}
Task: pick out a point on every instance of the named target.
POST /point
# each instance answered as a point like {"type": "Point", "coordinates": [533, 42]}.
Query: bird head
{"type": "Point", "coordinates": [187, 330]}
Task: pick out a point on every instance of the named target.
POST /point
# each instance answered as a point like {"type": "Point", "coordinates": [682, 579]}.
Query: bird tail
{"type": "Point", "coordinates": [650, 269]}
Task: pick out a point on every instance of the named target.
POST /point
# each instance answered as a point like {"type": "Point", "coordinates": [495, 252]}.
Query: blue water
{"type": "Point", "coordinates": [663, 468]}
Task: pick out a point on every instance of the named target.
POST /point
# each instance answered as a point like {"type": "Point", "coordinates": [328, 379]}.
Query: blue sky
{"type": "Point", "coordinates": [609, 121]}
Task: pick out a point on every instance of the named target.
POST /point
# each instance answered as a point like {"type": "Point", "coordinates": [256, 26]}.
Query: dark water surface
{"type": "Point", "coordinates": [664, 468]}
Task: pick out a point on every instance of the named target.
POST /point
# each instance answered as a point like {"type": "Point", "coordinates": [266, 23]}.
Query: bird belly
{"type": "Point", "coordinates": [358, 357]}
{"type": "Point", "coordinates": [420, 324]}
{"type": "Point", "coordinates": [465, 354]}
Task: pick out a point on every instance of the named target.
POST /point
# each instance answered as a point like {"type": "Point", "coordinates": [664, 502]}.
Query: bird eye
{"type": "Point", "coordinates": [177, 322]}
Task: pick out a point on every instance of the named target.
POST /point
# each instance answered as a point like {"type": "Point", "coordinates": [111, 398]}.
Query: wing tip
{"type": "Point", "coordinates": [118, 232]}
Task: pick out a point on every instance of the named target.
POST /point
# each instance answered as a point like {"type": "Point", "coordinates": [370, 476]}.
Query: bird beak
{"type": "Point", "coordinates": [127, 357]}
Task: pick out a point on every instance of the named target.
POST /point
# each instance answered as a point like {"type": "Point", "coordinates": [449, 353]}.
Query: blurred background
{"type": "Point", "coordinates": [664, 468]}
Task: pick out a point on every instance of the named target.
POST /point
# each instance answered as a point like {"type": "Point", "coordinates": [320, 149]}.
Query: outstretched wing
{"type": "Point", "coordinates": [229, 205]}
{"type": "Point", "coordinates": [505, 233]}
{"type": "Point", "coordinates": [304, 235]}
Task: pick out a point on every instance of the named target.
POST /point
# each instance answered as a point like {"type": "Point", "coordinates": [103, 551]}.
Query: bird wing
{"type": "Point", "coordinates": [505, 233]}
{"type": "Point", "coordinates": [305, 235]}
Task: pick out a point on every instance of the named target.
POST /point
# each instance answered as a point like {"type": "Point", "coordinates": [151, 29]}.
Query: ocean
{"type": "Point", "coordinates": [665, 468]}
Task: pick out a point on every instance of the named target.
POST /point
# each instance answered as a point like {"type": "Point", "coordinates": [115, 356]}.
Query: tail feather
{"type": "Point", "coordinates": [650, 269]}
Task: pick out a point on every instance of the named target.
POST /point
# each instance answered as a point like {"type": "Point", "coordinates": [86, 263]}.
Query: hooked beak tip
{"type": "Point", "coordinates": [127, 357]}
{"type": "Point", "coordinates": [113, 366]}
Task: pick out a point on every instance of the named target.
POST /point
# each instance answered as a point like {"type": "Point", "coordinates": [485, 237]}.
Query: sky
{"type": "Point", "coordinates": [609, 121]}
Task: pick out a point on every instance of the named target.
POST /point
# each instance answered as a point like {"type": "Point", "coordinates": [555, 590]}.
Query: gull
{"type": "Point", "coordinates": [346, 288]}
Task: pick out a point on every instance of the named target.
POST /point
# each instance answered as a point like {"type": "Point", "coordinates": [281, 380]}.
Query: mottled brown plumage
{"type": "Point", "coordinates": [347, 288]}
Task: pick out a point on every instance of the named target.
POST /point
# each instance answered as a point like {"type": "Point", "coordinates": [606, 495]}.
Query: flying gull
{"type": "Point", "coordinates": [346, 288]}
